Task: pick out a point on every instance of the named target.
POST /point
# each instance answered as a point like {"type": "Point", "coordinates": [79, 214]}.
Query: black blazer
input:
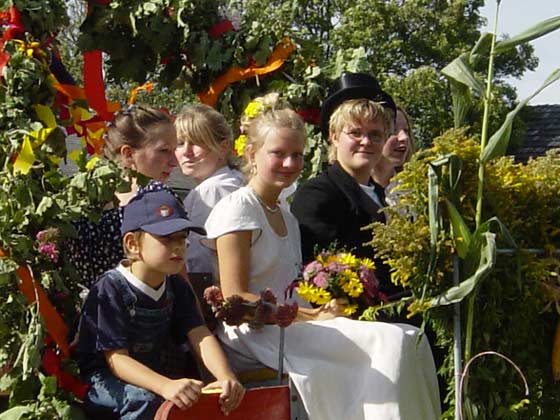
{"type": "Point", "coordinates": [332, 206]}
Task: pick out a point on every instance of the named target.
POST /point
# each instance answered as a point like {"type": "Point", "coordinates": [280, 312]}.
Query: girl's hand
{"type": "Point", "coordinates": [332, 309]}
{"type": "Point", "coordinates": [231, 395]}
{"type": "Point", "coordinates": [182, 392]}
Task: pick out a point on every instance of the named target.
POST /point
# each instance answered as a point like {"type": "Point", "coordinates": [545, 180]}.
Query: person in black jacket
{"type": "Point", "coordinates": [338, 203]}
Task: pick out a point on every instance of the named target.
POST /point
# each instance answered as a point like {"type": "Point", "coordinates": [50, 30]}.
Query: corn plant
{"type": "Point", "coordinates": [477, 249]}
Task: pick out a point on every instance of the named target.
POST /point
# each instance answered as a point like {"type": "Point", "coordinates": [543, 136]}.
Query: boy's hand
{"type": "Point", "coordinates": [182, 392]}
{"type": "Point", "coordinates": [231, 395]}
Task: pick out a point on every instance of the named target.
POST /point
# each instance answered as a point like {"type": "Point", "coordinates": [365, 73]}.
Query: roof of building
{"type": "Point", "coordinates": [543, 131]}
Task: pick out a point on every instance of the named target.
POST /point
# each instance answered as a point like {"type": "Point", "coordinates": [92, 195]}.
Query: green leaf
{"type": "Point", "coordinates": [16, 413]}
{"type": "Point", "coordinates": [457, 293]}
{"type": "Point", "coordinates": [48, 388]}
{"type": "Point", "coordinates": [455, 172]}
{"type": "Point", "coordinates": [461, 232]}
{"type": "Point", "coordinates": [7, 265]}
{"type": "Point", "coordinates": [461, 70]}
{"type": "Point", "coordinates": [44, 205]}
{"type": "Point", "coordinates": [497, 145]}
{"type": "Point", "coordinates": [482, 47]}
{"type": "Point", "coordinates": [462, 102]}
{"type": "Point", "coordinates": [433, 197]}
{"type": "Point", "coordinates": [534, 32]}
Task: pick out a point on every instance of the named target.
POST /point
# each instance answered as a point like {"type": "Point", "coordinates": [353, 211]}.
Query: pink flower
{"type": "Point", "coordinates": [335, 267]}
{"type": "Point", "coordinates": [47, 235]}
{"type": "Point", "coordinates": [321, 280]}
{"type": "Point", "coordinates": [285, 314]}
{"type": "Point", "coordinates": [49, 249]}
{"type": "Point", "coordinates": [311, 270]}
{"type": "Point", "coordinates": [264, 313]}
{"type": "Point", "coordinates": [213, 295]}
{"type": "Point", "coordinates": [268, 296]}
{"type": "Point", "coordinates": [233, 311]}
{"type": "Point", "coordinates": [371, 284]}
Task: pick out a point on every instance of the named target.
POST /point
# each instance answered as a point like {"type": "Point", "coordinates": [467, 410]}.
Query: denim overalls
{"type": "Point", "coordinates": [148, 330]}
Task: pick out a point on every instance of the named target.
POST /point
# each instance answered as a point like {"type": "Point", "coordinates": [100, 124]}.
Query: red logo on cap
{"type": "Point", "coordinates": [164, 211]}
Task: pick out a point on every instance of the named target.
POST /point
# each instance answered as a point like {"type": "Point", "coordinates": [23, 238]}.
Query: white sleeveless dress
{"type": "Point", "coordinates": [343, 369]}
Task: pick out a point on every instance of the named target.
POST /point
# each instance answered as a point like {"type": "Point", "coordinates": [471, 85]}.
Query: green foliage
{"type": "Point", "coordinates": [402, 43]}
{"type": "Point", "coordinates": [38, 208]}
{"type": "Point", "coordinates": [513, 305]}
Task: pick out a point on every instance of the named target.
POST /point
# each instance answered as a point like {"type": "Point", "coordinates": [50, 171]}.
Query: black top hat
{"type": "Point", "coordinates": [353, 86]}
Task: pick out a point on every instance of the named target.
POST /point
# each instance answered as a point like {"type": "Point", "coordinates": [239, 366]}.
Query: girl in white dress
{"type": "Point", "coordinates": [342, 368]}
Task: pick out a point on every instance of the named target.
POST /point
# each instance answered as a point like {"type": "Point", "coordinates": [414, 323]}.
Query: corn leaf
{"type": "Point", "coordinates": [461, 232]}
{"type": "Point", "coordinates": [455, 172]}
{"type": "Point", "coordinates": [457, 293]}
{"type": "Point", "coordinates": [497, 145]}
{"type": "Point", "coordinates": [433, 198]}
{"type": "Point", "coordinates": [481, 48]}
{"type": "Point", "coordinates": [534, 32]}
{"type": "Point", "coordinates": [461, 71]}
{"type": "Point", "coordinates": [462, 102]}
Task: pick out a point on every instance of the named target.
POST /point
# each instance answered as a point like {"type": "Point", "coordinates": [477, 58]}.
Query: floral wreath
{"type": "Point", "coordinates": [251, 111]}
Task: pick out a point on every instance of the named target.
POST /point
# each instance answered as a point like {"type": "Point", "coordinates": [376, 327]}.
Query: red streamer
{"type": "Point", "coordinates": [94, 85]}
{"type": "Point", "coordinates": [15, 28]}
{"type": "Point", "coordinates": [220, 28]}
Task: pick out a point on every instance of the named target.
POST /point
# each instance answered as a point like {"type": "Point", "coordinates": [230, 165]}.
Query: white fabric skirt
{"type": "Point", "coordinates": [345, 369]}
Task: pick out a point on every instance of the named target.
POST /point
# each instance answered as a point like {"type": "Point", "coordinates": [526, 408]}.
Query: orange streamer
{"type": "Point", "coordinates": [148, 87]}
{"type": "Point", "coordinates": [53, 321]}
{"type": "Point", "coordinates": [236, 74]}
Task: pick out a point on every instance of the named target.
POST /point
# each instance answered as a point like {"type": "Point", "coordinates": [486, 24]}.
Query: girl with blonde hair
{"type": "Point", "coordinates": [342, 368]}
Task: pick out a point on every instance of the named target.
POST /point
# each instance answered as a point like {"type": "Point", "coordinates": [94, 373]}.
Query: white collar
{"type": "Point", "coordinates": [370, 191]}
{"type": "Point", "coordinates": [140, 285]}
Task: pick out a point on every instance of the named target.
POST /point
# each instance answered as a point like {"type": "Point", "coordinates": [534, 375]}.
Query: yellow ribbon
{"type": "Point", "coordinates": [26, 156]}
{"type": "Point", "coordinates": [235, 74]}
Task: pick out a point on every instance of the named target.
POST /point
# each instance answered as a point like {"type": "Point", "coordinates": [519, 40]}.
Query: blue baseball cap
{"type": "Point", "coordinates": [156, 212]}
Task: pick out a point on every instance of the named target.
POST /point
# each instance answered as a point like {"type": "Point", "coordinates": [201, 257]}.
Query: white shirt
{"type": "Point", "coordinates": [199, 203]}
{"type": "Point", "coordinates": [275, 259]}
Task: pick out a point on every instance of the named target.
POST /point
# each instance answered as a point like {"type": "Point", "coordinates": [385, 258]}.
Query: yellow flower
{"type": "Point", "coordinates": [239, 145]}
{"type": "Point", "coordinates": [368, 263]}
{"type": "Point", "coordinates": [348, 259]}
{"type": "Point", "coordinates": [354, 288]}
{"type": "Point", "coordinates": [349, 276]}
{"type": "Point", "coordinates": [350, 309]}
{"type": "Point", "coordinates": [253, 109]}
{"type": "Point", "coordinates": [306, 292]}
{"type": "Point", "coordinates": [332, 259]}
{"type": "Point", "coordinates": [321, 296]}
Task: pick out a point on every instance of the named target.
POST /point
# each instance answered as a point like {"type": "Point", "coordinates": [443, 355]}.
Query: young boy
{"type": "Point", "coordinates": [132, 309]}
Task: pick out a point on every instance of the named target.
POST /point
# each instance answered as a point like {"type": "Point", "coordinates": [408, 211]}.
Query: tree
{"type": "Point", "coordinates": [396, 40]}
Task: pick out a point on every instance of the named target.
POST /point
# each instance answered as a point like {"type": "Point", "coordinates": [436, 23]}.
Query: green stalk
{"type": "Point", "coordinates": [483, 141]}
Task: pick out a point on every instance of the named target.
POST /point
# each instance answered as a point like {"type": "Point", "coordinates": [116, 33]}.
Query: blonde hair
{"type": "Point", "coordinates": [203, 126]}
{"type": "Point", "coordinates": [411, 149]}
{"type": "Point", "coordinates": [259, 128]}
{"type": "Point", "coordinates": [132, 127]}
{"type": "Point", "coordinates": [356, 111]}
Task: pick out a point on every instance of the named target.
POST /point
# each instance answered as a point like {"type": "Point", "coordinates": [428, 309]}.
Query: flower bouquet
{"type": "Point", "coordinates": [334, 275]}
{"type": "Point", "coordinates": [235, 310]}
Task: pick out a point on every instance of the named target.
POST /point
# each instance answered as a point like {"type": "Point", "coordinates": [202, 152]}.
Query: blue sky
{"type": "Point", "coordinates": [515, 17]}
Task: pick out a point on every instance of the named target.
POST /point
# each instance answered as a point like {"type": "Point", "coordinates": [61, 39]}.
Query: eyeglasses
{"type": "Point", "coordinates": [373, 136]}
